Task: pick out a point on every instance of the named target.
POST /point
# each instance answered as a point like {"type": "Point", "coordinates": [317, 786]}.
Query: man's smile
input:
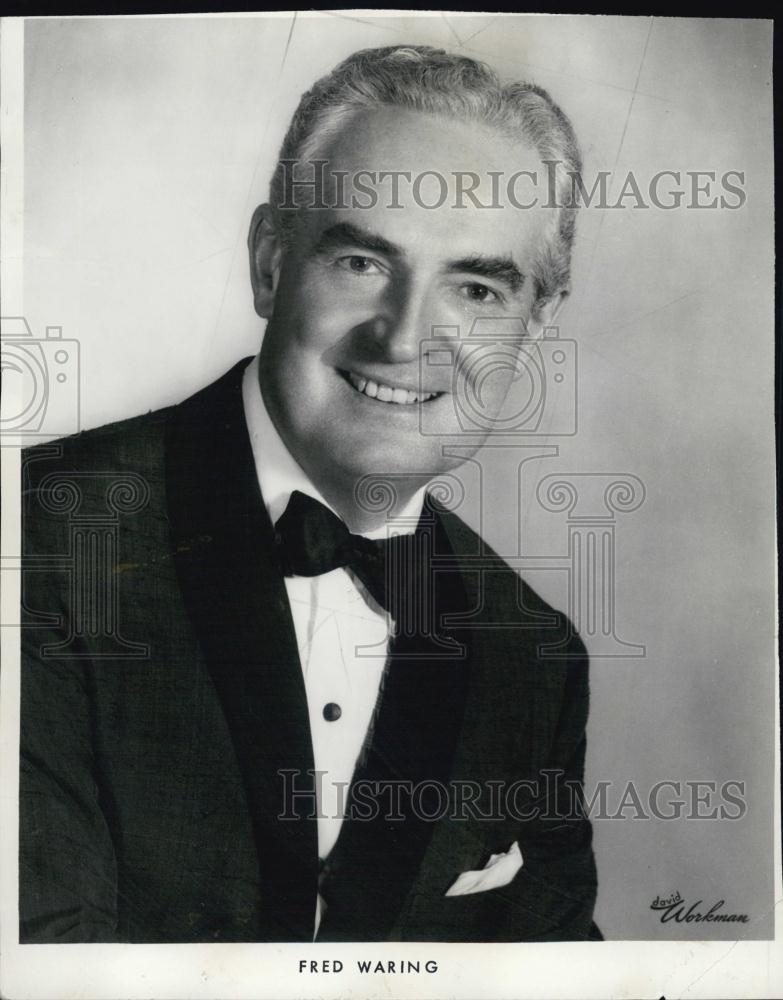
{"type": "Point", "coordinates": [385, 393]}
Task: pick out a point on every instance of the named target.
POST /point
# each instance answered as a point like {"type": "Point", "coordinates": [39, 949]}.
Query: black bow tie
{"type": "Point", "coordinates": [312, 540]}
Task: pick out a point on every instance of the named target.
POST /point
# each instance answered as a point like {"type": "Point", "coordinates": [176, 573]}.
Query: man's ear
{"type": "Point", "coordinates": [265, 246]}
{"type": "Point", "coordinates": [544, 313]}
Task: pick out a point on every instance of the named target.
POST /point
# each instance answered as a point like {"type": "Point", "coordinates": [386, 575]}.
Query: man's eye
{"type": "Point", "coordinates": [479, 293]}
{"type": "Point", "coordinates": [358, 264]}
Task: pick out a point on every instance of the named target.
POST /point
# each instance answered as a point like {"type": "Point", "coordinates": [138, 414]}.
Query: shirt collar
{"type": "Point", "coordinates": [279, 474]}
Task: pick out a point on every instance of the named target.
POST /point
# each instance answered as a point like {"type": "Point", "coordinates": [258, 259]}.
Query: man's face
{"type": "Point", "coordinates": [344, 372]}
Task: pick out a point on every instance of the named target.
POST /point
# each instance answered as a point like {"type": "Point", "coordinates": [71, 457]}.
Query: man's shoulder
{"type": "Point", "coordinates": [118, 468]}
{"type": "Point", "coordinates": [122, 441]}
{"type": "Point", "coordinates": [138, 441]}
{"type": "Point", "coordinates": [478, 556]}
{"type": "Point", "coordinates": [503, 596]}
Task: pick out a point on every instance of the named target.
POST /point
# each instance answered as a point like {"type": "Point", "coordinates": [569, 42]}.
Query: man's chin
{"type": "Point", "coordinates": [398, 464]}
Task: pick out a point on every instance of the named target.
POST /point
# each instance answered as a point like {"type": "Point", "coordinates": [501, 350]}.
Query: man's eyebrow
{"type": "Point", "coordinates": [500, 268]}
{"type": "Point", "coordinates": [345, 234]}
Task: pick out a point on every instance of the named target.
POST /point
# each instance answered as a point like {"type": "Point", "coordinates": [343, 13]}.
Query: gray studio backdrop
{"type": "Point", "coordinates": [148, 143]}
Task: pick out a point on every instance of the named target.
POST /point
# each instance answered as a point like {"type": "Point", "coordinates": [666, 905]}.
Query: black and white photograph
{"type": "Point", "coordinates": [389, 545]}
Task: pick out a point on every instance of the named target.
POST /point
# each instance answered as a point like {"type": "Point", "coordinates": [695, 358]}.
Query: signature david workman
{"type": "Point", "coordinates": [675, 908]}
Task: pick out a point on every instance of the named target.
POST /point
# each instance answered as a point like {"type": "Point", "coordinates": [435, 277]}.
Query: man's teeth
{"type": "Point", "coordinates": [386, 393]}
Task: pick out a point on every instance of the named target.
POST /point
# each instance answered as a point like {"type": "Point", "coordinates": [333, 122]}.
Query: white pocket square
{"type": "Point", "coordinates": [498, 871]}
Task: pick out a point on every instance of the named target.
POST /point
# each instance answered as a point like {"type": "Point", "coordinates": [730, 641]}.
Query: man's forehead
{"type": "Point", "coordinates": [408, 140]}
{"type": "Point", "coordinates": [431, 185]}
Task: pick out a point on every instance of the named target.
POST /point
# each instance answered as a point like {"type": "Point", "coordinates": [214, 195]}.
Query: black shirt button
{"type": "Point", "coordinates": [332, 711]}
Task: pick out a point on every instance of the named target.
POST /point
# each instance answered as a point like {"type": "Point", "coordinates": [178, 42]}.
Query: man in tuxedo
{"type": "Point", "coordinates": [272, 689]}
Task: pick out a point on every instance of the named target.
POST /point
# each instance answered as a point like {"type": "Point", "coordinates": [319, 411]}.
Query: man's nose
{"type": "Point", "coordinates": [400, 324]}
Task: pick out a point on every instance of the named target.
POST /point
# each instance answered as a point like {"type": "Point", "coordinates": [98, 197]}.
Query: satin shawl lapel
{"type": "Point", "coordinates": [236, 599]}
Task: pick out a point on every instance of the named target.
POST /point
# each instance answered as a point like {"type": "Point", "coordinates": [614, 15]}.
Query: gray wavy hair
{"type": "Point", "coordinates": [422, 78]}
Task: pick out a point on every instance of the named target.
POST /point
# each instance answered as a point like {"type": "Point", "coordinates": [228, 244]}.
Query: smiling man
{"type": "Point", "coordinates": [273, 690]}
{"type": "Point", "coordinates": [351, 292]}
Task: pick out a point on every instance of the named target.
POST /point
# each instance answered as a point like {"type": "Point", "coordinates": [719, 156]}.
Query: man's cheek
{"type": "Point", "coordinates": [331, 313]}
{"type": "Point", "coordinates": [484, 379]}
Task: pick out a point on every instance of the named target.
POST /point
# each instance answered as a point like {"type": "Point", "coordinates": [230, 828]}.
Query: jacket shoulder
{"type": "Point", "coordinates": [507, 598]}
{"type": "Point", "coordinates": [137, 442]}
{"type": "Point", "coordinates": [122, 444]}
{"type": "Point", "coordinates": [106, 473]}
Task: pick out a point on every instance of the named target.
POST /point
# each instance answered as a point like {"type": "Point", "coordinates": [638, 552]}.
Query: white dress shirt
{"type": "Point", "coordinates": [341, 632]}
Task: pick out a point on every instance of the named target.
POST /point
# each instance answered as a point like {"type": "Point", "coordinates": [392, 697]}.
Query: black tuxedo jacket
{"type": "Point", "coordinates": [166, 760]}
